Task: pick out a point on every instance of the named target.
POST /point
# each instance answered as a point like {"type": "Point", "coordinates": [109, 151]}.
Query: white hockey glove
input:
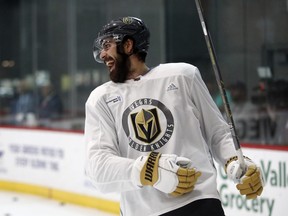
{"type": "Point", "coordinates": [251, 183]}
{"type": "Point", "coordinates": [165, 172]}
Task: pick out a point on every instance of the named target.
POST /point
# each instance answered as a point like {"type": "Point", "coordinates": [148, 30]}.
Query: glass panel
{"type": "Point", "coordinates": [46, 59]}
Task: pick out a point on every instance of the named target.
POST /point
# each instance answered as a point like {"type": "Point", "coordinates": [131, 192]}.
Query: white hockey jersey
{"type": "Point", "coordinates": [168, 110]}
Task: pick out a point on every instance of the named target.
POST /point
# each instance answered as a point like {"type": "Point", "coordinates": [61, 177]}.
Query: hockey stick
{"type": "Point", "coordinates": [220, 84]}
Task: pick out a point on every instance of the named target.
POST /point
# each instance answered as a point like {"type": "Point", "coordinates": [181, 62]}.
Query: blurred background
{"type": "Point", "coordinates": [47, 72]}
{"type": "Point", "coordinates": [47, 69]}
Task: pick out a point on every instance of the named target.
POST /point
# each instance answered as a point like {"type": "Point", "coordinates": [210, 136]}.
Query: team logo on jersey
{"type": "Point", "coordinates": [148, 124]}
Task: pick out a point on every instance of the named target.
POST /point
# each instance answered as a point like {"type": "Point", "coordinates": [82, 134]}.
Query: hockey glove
{"type": "Point", "coordinates": [165, 172]}
{"type": "Point", "coordinates": [251, 183]}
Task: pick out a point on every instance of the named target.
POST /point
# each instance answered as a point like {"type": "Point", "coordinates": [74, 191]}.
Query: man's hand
{"type": "Point", "coordinates": [165, 172]}
{"type": "Point", "coordinates": [251, 183]}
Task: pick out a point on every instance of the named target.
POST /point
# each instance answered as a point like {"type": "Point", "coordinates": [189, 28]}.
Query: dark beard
{"type": "Point", "coordinates": [122, 65]}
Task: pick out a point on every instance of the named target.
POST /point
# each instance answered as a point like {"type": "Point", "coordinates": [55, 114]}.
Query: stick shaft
{"type": "Point", "coordinates": [220, 83]}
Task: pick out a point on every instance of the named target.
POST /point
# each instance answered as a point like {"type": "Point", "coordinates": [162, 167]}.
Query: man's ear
{"type": "Point", "coordinates": [128, 46]}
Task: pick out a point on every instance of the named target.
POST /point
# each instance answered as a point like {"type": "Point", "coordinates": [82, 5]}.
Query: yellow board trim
{"type": "Point", "coordinates": [63, 196]}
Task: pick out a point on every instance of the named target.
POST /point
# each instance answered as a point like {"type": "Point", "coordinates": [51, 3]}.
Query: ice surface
{"type": "Point", "coordinates": [18, 204]}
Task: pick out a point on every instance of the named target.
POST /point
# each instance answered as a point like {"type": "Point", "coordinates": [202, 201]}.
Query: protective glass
{"type": "Point", "coordinates": [104, 43]}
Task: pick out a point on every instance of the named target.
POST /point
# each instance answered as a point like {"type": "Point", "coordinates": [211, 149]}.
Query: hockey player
{"type": "Point", "coordinates": [152, 133]}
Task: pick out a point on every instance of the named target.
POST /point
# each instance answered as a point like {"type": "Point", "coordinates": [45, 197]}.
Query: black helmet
{"type": "Point", "coordinates": [120, 28]}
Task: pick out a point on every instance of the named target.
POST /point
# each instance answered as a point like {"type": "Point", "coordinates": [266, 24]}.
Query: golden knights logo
{"type": "Point", "coordinates": [127, 20]}
{"type": "Point", "coordinates": [148, 124]}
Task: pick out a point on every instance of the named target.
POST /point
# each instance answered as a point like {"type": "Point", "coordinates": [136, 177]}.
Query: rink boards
{"type": "Point", "coordinates": [51, 164]}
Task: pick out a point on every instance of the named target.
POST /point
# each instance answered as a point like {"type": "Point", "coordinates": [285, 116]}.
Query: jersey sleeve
{"type": "Point", "coordinates": [106, 169]}
{"type": "Point", "coordinates": [214, 128]}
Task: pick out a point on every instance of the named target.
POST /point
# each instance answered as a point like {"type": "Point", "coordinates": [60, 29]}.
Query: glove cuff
{"type": "Point", "coordinates": [235, 158]}
{"type": "Point", "coordinates": [145, 169]}
{"type": "Point", "coordinates": [137, 167]}
{"type": "Point", "coordinates": [149, 173]}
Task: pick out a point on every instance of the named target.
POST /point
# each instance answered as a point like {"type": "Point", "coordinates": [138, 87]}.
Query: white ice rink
{"type": "Point", "coordinates": [19, 204]}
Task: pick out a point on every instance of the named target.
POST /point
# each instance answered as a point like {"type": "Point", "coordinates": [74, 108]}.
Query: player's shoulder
{"type": "Point", "coordinates": [179, 65]}
{"type": "Point", "coordinates": [99, 92]}
{"type": "Point", "coordinates": [179, 68]}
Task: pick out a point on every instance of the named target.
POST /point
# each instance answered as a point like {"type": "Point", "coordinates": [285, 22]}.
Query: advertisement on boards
{"type": "Point", "coordinates": [56, 160]}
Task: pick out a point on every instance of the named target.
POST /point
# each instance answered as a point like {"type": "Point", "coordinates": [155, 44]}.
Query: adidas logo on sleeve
{"type": "Point", "coordinates": [172, 87]}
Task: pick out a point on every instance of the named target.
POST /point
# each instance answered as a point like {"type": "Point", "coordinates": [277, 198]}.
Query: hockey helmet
{"type": "Point", "coordinates": [120, 28]}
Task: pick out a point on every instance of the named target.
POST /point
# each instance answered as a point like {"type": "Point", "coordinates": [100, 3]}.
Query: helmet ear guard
{"type": "Point", "coordinates": [121, 29]}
